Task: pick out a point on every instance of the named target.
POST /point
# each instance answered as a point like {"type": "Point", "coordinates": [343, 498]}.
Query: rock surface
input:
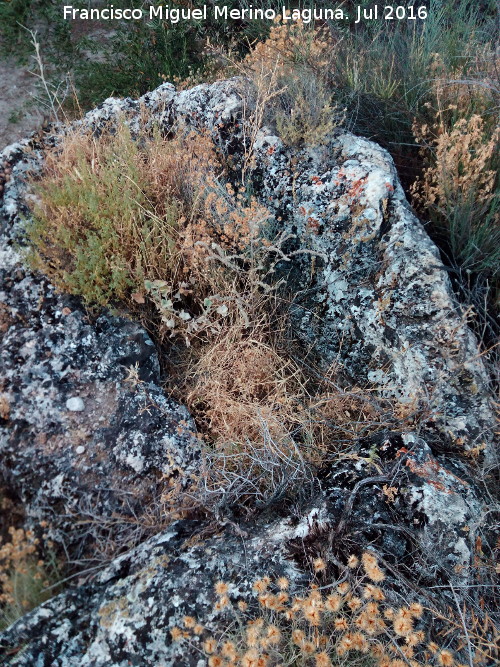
{"type": "Point", "coordinates": [124, 616]}
{"type": "Point", "coordinates": [381, 303]}
{"type": "Point", "coordinates": [81, 399]}
{"type": "Point", "coordinates": [376, 300]}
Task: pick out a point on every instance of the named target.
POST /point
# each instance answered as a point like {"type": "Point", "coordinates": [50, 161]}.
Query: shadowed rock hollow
{"type": "Point", "coordinates": [78, 438]}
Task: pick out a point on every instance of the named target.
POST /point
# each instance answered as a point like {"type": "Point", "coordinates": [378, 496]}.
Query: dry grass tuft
{"type": "Point", "coordinates": [244, 382]}
{"type": "Point", "coordinates": [292, 68]}
{"type": "Point", "coordinates": [267, 422]}
{"type": "Point", "coordinates": [460, 188]}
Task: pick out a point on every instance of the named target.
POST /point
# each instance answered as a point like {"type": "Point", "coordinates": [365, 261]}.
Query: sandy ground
{"type": "Point", "coordinates": [19, 111]}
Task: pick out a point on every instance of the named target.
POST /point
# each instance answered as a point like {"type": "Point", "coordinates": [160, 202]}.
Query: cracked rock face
{"type": "Point", "coordinates": [407, 501]}
{"type": "Point", "coordinates": [380, 303]}
{"type": "Point", "coordinates": [98, 440]}
{"type": "Point", "coordinates": [124, 615]}
{"type": "Point", "coordinates": [81, 398]}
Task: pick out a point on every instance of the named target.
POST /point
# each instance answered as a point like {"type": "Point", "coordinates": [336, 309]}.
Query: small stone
{"type": "Point", "coordinates": [80, 449]}
{"type": "Point", "coordinates": [75, 404]}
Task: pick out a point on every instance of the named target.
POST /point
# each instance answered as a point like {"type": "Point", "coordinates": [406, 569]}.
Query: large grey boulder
{"type": "Point", "coordinates": [380, 305]}
{"type": "Point", "coordinates": [124, 616]}
{"type": "Point", "coordinates": [374, 297]}
{"type": "Point", "coordinates": [79, 438]}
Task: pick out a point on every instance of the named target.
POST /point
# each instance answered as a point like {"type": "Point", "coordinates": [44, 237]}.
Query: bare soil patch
{"type": "Point", "coordinates": [20, 113]}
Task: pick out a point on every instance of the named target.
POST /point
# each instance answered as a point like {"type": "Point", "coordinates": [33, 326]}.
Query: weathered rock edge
{"type": "Point", "coordinates": [89, 443]}
{"type": "Point", "coordinates": [124, 615]}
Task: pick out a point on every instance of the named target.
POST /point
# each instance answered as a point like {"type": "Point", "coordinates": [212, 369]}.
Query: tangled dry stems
{"type": "Point", "coordinates": [354, 619]}
{"type": "Point", "coordinates": [268, 423]}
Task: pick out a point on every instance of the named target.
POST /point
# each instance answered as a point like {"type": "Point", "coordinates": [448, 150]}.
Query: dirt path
{"type": "Point", "coordinates": [19, 110]}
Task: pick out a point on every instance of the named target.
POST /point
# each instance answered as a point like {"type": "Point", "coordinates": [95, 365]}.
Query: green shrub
{"type": "Point", "coordinates": [43, 16]}
{"type": "Point", "coordinates": [117, 216]}
{"type": "Point", "coordinates": [103, 223]}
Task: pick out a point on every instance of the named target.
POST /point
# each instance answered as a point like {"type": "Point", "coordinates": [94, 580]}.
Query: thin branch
{"type": "Point", "coordinates": [41, 75]}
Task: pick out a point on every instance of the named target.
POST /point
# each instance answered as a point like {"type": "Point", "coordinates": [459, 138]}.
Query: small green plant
{"type": "Point", "coordinates": [120, 219]}
{"type": "Point", "coordinates": [110, 210]}
{"type": "Point", "coordinates": [15, 117]}
{"type": "Point", "coordinates": [306, 113]}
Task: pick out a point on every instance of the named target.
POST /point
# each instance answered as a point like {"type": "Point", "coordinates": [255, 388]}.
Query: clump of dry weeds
{"type": "Point", "coordinates": [459, 187]}
{"type": "Point", "coordinates": [25, 579]}
{"type": "Point", "coordinates": [267, 422]}
{"type": "Point", "coordinates": [290, 70]}
{"type": "Point", "coordinates": [354, 618]}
